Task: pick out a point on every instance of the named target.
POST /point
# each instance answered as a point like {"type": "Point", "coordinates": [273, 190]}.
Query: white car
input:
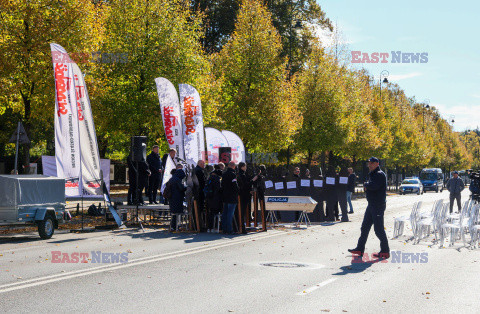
{"type": "Point", "coordinates": [411, 185]}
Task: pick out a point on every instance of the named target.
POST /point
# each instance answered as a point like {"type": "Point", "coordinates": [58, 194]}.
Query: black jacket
{"type": "Point", "coordinates": [244, 184]}
{"type": "Point", "coordinates": [376, 188]}
{"type": "Point", "coordinates": [154, 163]}
{"type": "Point", "coordinates": [178, 192]}
{"type": "Point", "coordinates": [214, 201]}
{"type": "Point", "coordinates": [201, 177]}
{"type": "Point", "coordinates": [229, 187]}
{"type": "Point", "coordinates": [351, 182]}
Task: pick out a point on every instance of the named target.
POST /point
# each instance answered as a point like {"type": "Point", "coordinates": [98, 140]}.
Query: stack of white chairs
{"type": "Point", "coordinates": [458, 225]}
{"type": "Point", "coordinates": [474, 227]}
{"type": "Point", "coordinates": [430, 221]}
{"type": "Point", "coordinates": [412, 218]}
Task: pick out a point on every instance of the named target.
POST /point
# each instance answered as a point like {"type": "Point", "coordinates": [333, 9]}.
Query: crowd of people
{"type": "Point", "coordinates": [218, 192]}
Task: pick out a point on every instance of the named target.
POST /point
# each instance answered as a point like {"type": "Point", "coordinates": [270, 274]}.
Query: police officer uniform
{"type": "Point", "coordinates": [376, 192]}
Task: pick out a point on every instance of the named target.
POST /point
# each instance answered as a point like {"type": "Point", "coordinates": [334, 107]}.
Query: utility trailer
{"type": "Point", "coordinates": [32, 200]}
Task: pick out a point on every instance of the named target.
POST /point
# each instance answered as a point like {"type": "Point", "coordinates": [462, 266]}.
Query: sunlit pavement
{"type": "Point", "coordinates": [280, 271]}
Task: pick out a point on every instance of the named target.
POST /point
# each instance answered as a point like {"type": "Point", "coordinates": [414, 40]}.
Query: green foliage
{"type": "Point", "coordinates": [256, 64]}
{"type": "Point", "coordinates": [258, 102]}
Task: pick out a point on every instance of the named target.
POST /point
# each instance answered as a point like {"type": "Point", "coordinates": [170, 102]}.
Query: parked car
{"type": "Point", "coordinates": [411, 185]}
{"type": "Point", "coordinates": [432, 179]}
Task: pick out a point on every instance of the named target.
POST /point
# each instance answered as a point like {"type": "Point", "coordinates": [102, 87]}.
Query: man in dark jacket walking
{"type": "Point", "coordinates": [177, 196]}
{"type": "Point", "coordinates": [376, 190]}
{"type": "Point", "coordinates": [155, 165]}
{"type": "Point", "coordinates": [455, 186]}
{"type": "Point", "coordinates": [229, 196]}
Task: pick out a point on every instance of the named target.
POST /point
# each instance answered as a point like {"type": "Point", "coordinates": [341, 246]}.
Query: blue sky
{"type": "Point", "coordinates": [448, 31]}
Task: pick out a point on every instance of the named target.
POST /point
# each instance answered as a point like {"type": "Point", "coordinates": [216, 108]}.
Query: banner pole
{"type": "Point", "coordinates": [16, 148]}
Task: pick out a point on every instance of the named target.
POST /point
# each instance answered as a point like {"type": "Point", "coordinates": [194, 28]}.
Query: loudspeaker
{"type": "Point", "coordinates": [225, 154]}
{"type": "Point", "coordinates": [139, 148]}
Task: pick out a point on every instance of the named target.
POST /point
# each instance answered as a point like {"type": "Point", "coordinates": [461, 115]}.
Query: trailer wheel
{"type": "Point", "coordinates": [46, 227]}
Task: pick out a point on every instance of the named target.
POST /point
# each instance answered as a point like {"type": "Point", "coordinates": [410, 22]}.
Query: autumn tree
{"type": "Point", "coordinates": [258, 103]}
{"type": "Point", "coordinates": [26, 78]}
{"type": "Point", "coordinates": [160, 38]}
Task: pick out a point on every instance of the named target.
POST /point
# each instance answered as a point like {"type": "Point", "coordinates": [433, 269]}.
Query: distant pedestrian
{"type": "Point", "coordinates": [350, 188]}
{"type": "Point", "coordinates": [455, 186]}
{"type": "Point", "coordinates": [376, 191]}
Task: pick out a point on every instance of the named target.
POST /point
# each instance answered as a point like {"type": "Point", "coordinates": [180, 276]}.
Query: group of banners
{"type": "Point", "coordinates": [76, 150]}
{"type": "Point", "coordinates": [184, 130]}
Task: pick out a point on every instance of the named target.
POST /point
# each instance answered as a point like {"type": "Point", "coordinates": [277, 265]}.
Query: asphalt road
{"type": "Point", "coordinates": [281, 271]}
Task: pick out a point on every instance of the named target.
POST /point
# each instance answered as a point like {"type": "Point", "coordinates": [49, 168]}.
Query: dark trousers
{"type": "Point", "coordinates": [342, 201]}
{"type": "Point", "coordinates": [454, 197]}
{"type": "Point", "coordinates": [153, 184]}
{"type": "Point", "coordinates": [211, 212]}
{"type": "Point", "coordinates": [245, 200]}
{"type": "Point", "coordinates": [227, 217]}
{"type": "Point", "coordinates": [131, 196]}
{"type": "Point", "coordinates": [373, 216]}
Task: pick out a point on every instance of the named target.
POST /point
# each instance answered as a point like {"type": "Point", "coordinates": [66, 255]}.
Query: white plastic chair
{"type": "Point", "coordinates": [429, 221]}
{"type": "Point", "coordinates": [412, 218]}
{"type": "Point", "coordinates": [474, 227]}
{"type": "Point", "coordinates": [456, 227]}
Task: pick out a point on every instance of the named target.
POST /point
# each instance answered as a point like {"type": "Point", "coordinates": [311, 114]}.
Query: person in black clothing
{"type": "Point", "coordinates": [351, 188]}
{"type": "Point", "coordinates": [132, 180]}
{"type": "Point", "coordinates": [229, 197]}
{"type": "Point", "coordinates": [331, 197]}
{"type": "Point", "coordinates": [200, 196]}
{"type": "Point", "coordinates": [213, 198]}
{"type": "Point", "coordinates": [376, 191]}
{"type": "Point", "coordinates": [259, 187]}
{"type": "Point", "coordinates": [155, 165]}
{"type": "Point", "coordinates": [135, 197]}
{"type": "Point", "coordinates": [143, 174]}
{"type": "Point", "coordinates": [245, 186]}
{"type": "Point", "coordinates": [178, 195]}
{"type": "Point", "coordinates": [342, 195]}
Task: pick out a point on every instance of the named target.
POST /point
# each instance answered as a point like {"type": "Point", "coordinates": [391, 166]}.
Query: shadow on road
{"type": "Point", "coordinates": [185, 236]}
{"type": "Point", "coordinates": [357, 266]}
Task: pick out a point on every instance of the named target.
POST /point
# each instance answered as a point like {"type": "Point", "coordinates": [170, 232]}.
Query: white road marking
{"type": "Point", "coordinates": [322, 284]}
{"type": "Point", "coordinates": [140, 261]}
{"type": "Point", "coordinates": [22, 248]}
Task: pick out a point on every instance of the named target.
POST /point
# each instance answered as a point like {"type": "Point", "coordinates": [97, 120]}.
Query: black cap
{"type": "Point", "coordinates": [373, 159]}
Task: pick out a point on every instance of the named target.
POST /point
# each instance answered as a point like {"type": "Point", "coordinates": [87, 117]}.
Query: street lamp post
{"type": "Point", "coordinates": [384, 74]}
{"type": "Point", "coordinates": [425, 105]}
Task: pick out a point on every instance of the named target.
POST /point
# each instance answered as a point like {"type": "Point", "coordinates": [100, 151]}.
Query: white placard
{"type": "Point", "coordinates": [304, 182]}
{"type": "Point", "coordinates": [268, 184]}
{"type": "Point", "coordinates": [343, 180]}
{"type": "Point", "coordinates": [291, 185]}
{"type": "Point", "coordinates": [318, 183]}
{"type": "Point", "coordinates": [330, 181]}
{"type": "Point", "coordinates": [278, 185]}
